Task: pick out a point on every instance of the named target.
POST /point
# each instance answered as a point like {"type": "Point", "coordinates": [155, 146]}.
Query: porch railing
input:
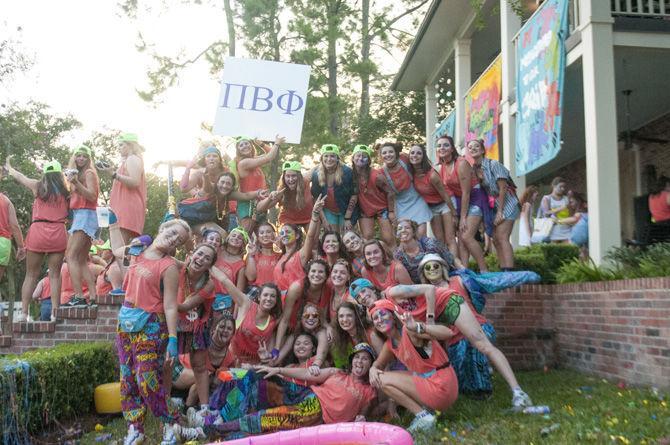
{"type": "Point", "coordinates": [641, 8]}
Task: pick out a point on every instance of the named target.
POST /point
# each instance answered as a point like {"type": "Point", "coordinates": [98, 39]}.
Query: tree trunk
{"type": "Point", "coordinates": [333, 31]}
{"type": "Point", "coordinates": [364, 110]}
{"type": "Point", "coordinates": [231, 27]}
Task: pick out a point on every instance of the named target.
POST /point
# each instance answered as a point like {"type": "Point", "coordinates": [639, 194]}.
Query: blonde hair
{"type": "Point", "coordinates": [173, 222]}
{"type": "Point", "coordinates": [322, 174]}
{"type": "Point", "coordinates": [135, 148]}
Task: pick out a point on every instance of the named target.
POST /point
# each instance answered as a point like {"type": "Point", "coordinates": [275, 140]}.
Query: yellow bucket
{"type": "Point", "coordinates": [108, 398]}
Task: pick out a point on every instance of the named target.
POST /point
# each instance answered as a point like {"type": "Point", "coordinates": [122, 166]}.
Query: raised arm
{"type": "Point", "coordinates": [292, 296]}
{"type": "Point", "coordinates": [245, 166]}
{"type": "Point", "coordinates": [312, 230]}
{"type": "Point", "coordinates": [241, 300]}
{"type": "Point", "coordinates": [20, 177]}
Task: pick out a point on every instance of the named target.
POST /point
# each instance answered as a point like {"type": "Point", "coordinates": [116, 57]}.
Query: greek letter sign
{"type": "Point", "coordinates": [540, 72]}
{"type": "Point", "coordinates": [262, 99]}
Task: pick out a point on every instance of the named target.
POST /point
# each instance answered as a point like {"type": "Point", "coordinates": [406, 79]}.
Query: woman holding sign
{"type": "Point", "coordinates": [248, 169]}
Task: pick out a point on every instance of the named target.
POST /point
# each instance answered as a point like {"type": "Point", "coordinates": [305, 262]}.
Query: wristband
{"type": "Point", "coordinates": [430, 316]}
{"type": "Point", "coordinates": [114, 175]}
{"type": "Point", "coordinates": [274, 353]}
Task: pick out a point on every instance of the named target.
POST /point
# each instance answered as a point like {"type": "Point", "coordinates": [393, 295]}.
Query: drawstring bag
{"type": "Point", "coordinates": [196, 211]}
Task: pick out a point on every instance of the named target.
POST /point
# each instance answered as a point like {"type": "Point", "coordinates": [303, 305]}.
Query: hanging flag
{"type": "Point", "coordinates": [540, 73]}
{"type": "Point", "coordinates": [482, 108]}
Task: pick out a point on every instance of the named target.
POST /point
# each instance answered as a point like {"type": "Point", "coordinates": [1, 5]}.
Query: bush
{"type": "Point", "coordinates": [59, 383]}
{"type": "Point", "coordinates": [624, 262]}
{"type": "Point", "coordinates": [544, 259]}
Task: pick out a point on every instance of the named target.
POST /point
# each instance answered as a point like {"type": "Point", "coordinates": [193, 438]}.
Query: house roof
{"type": "Point", "coordinates": [433, 41]}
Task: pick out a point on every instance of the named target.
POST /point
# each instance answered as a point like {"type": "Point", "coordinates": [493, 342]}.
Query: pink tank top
{"type": "Point", "coordinates": [265, 265]}
{"type": "Point", "coordinates": [450, 180]}
{"type": "Point", "coordinates": [77, 201]}
{"type": "Point", "coordinates": [245, 341]}
{"type": "Point", "coordinates": [408, 355]}
{"type": "Point", "coordinates": [143, 283]}
{"type": "Point", "coordinates": [292, 272]}
{"type": "Point", "coordinates": [129, 205]}
{"type": "Point", "coordinates": [255, 180]}
{"type": "Point", "coordinates": [388, 281]}
{"type": "Point", "coordinates": [292, 215]}
{"type": "Point", "coordinates": [371, 199]}
{"type": "Point", "coordinates": [426, 189]}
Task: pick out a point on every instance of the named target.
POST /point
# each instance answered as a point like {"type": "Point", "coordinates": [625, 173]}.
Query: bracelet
{"type": "Point", "coordinates": [114, 175]}
{"type": "Point", "coordinates": [347, 219]}
{"type": "Point", "coordinates": [419, 328]}
{"type": "Point", "coordinates": [430, 316]}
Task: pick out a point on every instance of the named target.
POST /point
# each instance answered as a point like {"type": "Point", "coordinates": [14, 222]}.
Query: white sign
{"type": "Point", "coordinates": [262, 99]}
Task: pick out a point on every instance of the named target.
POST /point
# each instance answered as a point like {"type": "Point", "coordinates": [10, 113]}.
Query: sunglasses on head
{"type": "Point", "coordinates": [432, 266]}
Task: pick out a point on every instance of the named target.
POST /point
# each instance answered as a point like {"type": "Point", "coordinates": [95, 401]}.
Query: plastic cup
{"type": "Point", "coordinates": [103, 216]}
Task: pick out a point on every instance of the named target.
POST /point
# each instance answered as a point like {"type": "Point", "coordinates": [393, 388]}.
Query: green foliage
{"type": "Point", "coordinates": [579, 271]}
{"type": "Point", "coordinates": [544, 259]}
{"type": "Point", "coordinates": [623, 262]}
{"type": "Point", "coordinates": [65, 377]}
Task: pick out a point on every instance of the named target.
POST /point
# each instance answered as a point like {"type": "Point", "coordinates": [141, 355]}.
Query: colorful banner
{"type": "Point", "coordinates": [446, 127]}
{"type": "Point", "coordinates": [540, 72]}
{"type": "Point", "coordinates": [482, 108]}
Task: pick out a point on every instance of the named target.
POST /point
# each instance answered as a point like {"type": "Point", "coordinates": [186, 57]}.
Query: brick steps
{"type": "Point", "coordinates": [78, 324]}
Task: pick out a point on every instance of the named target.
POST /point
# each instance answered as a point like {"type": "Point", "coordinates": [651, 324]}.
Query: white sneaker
{"type": "Point", "coordinates": [185, 434]}
{"type": "Point", "coordinates": [422, 421]}
{"type": "Point", "coordinates": [521, 399]}
{"type": "Point", "coordinates": [194, 419]}
{"type": "Point", "coordinates": [169, 436]}
{"type": "Point", "coordinates": [133, 437]}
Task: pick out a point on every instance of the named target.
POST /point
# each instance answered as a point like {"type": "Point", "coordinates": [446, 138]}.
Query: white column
{"type": "Point", "coordinates": [431, 119]}
{"type": "Point", "coordinates": [602, 160]}
{"type": "Point", "coordinates": [509, 26]}
{"type": "Point", "coordinates": [463, 82]}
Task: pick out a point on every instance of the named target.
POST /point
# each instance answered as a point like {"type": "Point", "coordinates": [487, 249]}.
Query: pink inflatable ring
{"type": "Point", "coordinates": [357, 433]}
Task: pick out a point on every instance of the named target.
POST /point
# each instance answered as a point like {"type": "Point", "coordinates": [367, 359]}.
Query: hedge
{"type": "Point", "coordinates": [545, 259]}
{"type": "Point", "coordinates": [58, 382]}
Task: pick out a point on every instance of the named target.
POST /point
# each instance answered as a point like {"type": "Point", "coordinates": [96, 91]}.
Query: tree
{"type": "Point", "coordinates": [13, 58]}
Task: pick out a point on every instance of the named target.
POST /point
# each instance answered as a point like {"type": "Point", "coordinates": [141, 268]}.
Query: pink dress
{"type": "Point", "coordinates": [129, 204]}
{"type": "Point", "coordinates": [47, 231]}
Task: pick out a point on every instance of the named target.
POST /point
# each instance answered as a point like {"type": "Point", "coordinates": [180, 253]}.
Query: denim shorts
{"type": "Point", "coordinates": [334, 219]}
{"type": "Point", "coordinates": [85, 220]}
{"type": "Point", "coordinates": [441, 208]}
{"type": "Point", "coordinates": [475, 210]}
{"type": "Point", "coordinates": [45, 309]}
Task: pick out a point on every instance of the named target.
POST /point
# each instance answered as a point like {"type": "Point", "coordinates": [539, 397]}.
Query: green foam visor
{"type": "Point", "coordinates": [291, 165]}
{"type": "Point", "coordinates": [127, 137]}
{"type": "Point", "coordinates": [239, 139]}
{"type": "Point", "coordinates": [330, 148]}
{"type": "Point", "coordinates": [52, 167]}
{"type": "Point", "coordinates": [362, 148]}
{"type": "Point", "coordinates": [83, 149]}
{"type": "Point", "coordinates": [243, 232]}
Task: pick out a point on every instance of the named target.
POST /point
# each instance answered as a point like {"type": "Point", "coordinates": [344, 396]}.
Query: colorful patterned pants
{"type": "Point", "coordinates": [141, 358]}
{"type": "Point", "coordinates": [274, 404]}
{"type": "Point", "coordinates": [471, 366]}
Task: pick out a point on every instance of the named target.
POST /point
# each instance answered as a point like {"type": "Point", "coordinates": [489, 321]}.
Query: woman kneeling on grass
{"type": "Point", "coordinates": [277, 403]}
{"type": "Point", "coordinates": [430, 382]}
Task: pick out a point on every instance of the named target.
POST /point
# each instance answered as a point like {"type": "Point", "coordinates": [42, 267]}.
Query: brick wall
{"type": "Point", "coordinates": [73, 325]}
{"type": "Point", "coordinates": [619, 330]}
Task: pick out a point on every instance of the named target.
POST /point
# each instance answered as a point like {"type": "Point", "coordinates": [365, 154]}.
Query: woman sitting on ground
{"type": "Point", "coordinates": [411, 249]}
{"type": "Point", "coordinates": [260, 408]}
{"type": "Point", "coordinates": [431, 383]}
{"type": "Point", "coordinates": [310, 323]}
{"type": "Point", "coordinates": [450, 305]}
{"type": "Point", "coordinates": [350, 328]}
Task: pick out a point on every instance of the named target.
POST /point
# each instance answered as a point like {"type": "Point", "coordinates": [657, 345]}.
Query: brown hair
{"type": "Point", "coordinates": [528, 193]}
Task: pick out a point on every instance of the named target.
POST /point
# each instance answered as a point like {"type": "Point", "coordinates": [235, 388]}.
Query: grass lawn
{"type": "Point", "coordinates": [586, 410]}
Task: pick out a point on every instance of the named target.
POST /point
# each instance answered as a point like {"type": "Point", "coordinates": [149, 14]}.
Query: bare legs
{"type": "Point", "coordinates": [77, 260]}
{"type": "Point", "coordinates": [33, 268]}
{"type": "Point", "coordinates": [367, 226]}
{"type": "Point", "coordinates": [501, 242]}
{"type": "Point", "coordinates": [469, 245]}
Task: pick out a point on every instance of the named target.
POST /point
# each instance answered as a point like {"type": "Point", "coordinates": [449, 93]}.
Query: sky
{"type": "Point", "coordinates": [86, 64]}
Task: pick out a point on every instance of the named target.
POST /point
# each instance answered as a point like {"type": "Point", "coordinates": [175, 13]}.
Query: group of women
{"type": "Point", "coordinates": [317, 306]}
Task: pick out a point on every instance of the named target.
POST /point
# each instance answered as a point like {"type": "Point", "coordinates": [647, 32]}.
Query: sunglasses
{"type": "Point", "coordinates": [308, 316]}
{"type": "Point", "coordinates": [447, 145]}
{"type": "Point", "coordinates": [432, 266]}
